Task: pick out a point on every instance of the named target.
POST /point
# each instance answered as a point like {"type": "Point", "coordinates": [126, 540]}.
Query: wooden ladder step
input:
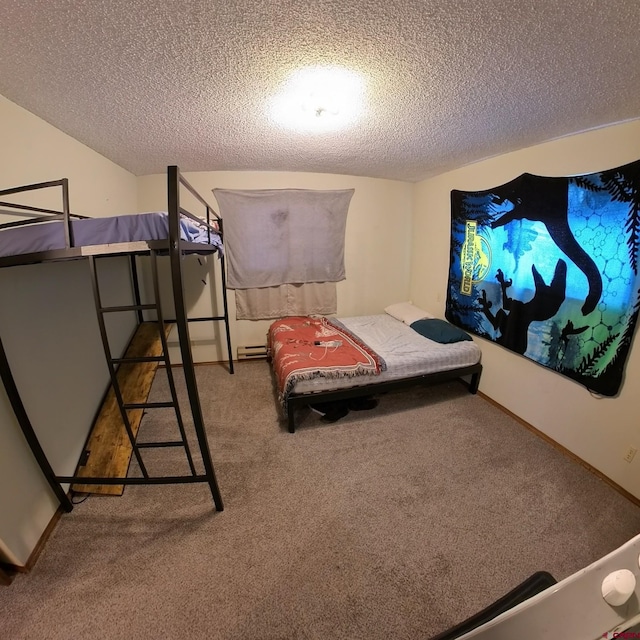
{"type": "Point", "coordinates": [108, 449]}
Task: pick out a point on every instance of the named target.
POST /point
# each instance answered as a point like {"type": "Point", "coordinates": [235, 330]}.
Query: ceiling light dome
{"type": "Point", "coordinates": [319, 99]}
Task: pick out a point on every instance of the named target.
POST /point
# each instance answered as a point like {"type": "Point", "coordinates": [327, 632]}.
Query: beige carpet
{"type": "Point", "coordinates": [391, 523]}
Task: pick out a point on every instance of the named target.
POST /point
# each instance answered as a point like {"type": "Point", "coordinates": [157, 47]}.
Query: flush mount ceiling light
{"type": "Point", "coordinates": [319, 99]}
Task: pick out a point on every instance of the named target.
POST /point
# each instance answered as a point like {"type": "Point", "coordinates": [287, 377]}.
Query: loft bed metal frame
{"type": "Point", "coordinates": [175, 247]}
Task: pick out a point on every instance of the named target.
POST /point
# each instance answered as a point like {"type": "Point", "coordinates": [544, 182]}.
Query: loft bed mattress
{"type": "Point", "coordinates": [405, 352]}
{"type": "Point", "coordinates": [137, 227]}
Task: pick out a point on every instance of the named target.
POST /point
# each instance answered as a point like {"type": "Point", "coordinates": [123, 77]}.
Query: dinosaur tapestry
{"type": "Point", "coordinates": [548, 267]}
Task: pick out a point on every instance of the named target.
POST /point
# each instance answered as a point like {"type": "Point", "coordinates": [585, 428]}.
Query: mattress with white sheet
{"type": "Point", "coordinates": [405, 352]}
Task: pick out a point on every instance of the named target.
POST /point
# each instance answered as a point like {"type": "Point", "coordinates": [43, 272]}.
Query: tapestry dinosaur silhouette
{"type": "Point", "coordinates": [570, 330]}
{"type": "Point", "coordinates": [547, 201]}
{"type": "Point", "coordinates": [513, 320]}
{"type": "Point", "coordinates": [549, 268]}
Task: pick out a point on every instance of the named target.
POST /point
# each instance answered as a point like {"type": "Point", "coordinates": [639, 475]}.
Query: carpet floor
{"type": "Point", "coordinates": [396, 522]}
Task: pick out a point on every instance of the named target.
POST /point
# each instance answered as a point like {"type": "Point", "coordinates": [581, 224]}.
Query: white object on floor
{"type": "Point", "coordinates": [575, 608]}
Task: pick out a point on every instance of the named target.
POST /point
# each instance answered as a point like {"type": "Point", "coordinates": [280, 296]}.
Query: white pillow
{"type": "Point", "coordinates": [406, 312]}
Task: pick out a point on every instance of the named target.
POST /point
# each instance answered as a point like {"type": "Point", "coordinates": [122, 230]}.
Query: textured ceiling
{"type": "Point", "coordinates": [149, 83]}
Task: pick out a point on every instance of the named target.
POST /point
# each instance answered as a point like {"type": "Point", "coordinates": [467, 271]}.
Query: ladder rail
{"type": "Point", "coordinates": [169, 370]}
{"type": "Point", "coordinates": [225, 303]}
{"type": "Point", "coordinates": [115, 385]}
{"type": "Point", "coordinates": [175, 255]}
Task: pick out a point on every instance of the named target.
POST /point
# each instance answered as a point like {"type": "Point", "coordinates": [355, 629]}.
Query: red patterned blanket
{"type": "Point", "coordinates": [302, 347]}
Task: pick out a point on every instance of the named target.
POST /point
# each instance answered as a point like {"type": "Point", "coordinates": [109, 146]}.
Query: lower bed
{"type": "Point", "coordinates": [406, 358]}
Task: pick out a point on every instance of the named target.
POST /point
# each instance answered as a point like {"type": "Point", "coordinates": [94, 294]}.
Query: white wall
{"type": "Point", "coordinates": [376, 247]}
{"type": "Point", "coordinates": [597, 430]}
{"type": "Point", "coordinates": [48, 326]}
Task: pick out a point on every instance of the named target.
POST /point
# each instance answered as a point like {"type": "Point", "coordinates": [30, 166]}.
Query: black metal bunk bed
{"type": "Point", "coordinates": [175, 246]}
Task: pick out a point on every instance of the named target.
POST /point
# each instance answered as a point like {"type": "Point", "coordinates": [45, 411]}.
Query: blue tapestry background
{"type": "Point", "coordinates": [548, 268]}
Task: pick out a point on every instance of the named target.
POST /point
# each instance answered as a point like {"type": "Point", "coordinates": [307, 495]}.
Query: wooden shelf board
{"type": "Point", "coordinates": [109, 449]}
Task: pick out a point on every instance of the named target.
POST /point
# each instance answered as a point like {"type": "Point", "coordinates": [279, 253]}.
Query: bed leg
{"type": "Point", "coordinates": [475, 383]}
{"type": "Point", "coordinates": [290, 421]}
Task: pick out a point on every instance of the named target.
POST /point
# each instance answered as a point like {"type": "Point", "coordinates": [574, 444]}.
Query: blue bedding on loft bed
{"type": "Point", "coordinates": [138, 227]}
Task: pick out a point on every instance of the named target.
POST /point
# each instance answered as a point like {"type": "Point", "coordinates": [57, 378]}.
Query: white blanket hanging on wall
{"type": "Point", "coordinates": [283, 236]}
{"type": "Point", "coordinates": [285, 249]}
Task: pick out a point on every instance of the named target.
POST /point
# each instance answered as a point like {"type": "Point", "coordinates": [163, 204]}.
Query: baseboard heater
{"type": "Point", "coordinates": [255, 352]}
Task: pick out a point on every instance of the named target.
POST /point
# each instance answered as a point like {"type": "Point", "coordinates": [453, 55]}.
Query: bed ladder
{"type": "Point", "coordinates": [125, 406]}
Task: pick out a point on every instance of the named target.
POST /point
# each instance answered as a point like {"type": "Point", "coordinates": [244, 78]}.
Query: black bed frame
{"type": "Point", "coordinates": [175, 247]}
{"type": "Point", "coordinates": [301, 399]}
